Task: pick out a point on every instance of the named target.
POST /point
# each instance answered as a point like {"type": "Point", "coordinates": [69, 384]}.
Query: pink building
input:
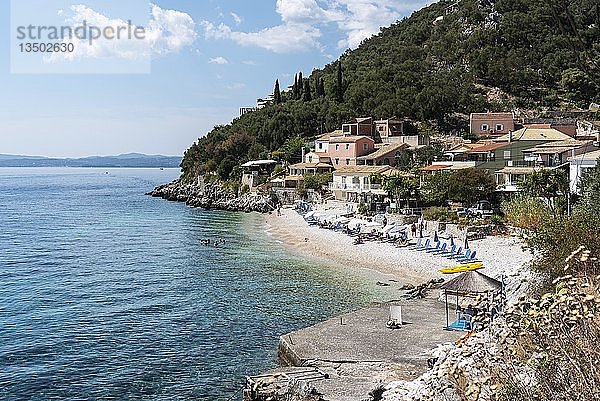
{"type": "Point", "coordinates": [344, 150]}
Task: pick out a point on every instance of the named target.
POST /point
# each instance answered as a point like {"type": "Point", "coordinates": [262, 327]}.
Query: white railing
{"type": "Point", "coordinates": [354, 187]}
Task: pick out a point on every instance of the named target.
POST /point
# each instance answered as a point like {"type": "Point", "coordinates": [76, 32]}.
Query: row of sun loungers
{"type": "Point", "coordinates": [452, 252]}
{"type": "Point", "coordinates": [436, 248]}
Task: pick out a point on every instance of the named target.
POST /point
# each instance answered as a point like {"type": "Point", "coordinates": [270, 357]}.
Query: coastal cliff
{"type": "Point", "coordinates": [212, 196]}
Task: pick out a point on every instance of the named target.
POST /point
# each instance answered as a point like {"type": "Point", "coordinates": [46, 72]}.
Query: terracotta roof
{"type": "Point", "coordinates": [311, 165]}
{"type": "Point", "coordinates": [361, 170]}
{"type": "Point", "coordinates": [384, 151]}
{"type": "Point", "coordinates": [359, 120]}
{"type": "Point", "coordinates": [436, 167]}
{"type": "Point", "coordinates": [535, 134]}
{"type": "Point", "coordinates": [590, 156]}
{"type": "Point", "coordinates": [326, 137]}
{"type": "Point", "coordinates": [488, 116]}
{"type": "Point", "coordinates": [556, 147]}
{"type": "Point", "coordinates": [488, 147]}
{"type": "Point", "coordinates": [348, 139]}
{"type": "Point", "coordinates": [517, 170]}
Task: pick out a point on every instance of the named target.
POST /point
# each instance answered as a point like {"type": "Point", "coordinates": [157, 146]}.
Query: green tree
{"type": "Point", "coordinates": [307, 93]}
{"type": "Point", "coordinates": [292, 149]}
{"type": "Point", "coordinates": [300, 86]}
{"type": "Point", "coordinates": [320, 88]}
{"type": "Point", "coordinates": [551, 185]}
{"type": "Point", "coordinates": [339, 87]}
{"type": "Point", "coordinates": [589, 188]}
{"type": "Point", "coordinates": [277, 93]}
{"type": "Point", "coordinates": [401, 187]}
{"type": "Point", "coordinates": [226, 168]}
{"type": "Point", "coordinates": [470, 185]}
{"type": "Point", "coordinates": [436, 188]}
{"type": "Point", "coordinates": [317, 181]}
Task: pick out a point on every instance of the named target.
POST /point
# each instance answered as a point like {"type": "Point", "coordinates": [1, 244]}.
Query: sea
{"type": "Point", "coordinates": [108, 294]}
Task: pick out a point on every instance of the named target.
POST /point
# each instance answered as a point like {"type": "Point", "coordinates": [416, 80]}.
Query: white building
{"type": "Point", "coordinates": [578, 165]}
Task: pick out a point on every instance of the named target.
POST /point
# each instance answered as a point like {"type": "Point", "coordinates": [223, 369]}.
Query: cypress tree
{"type": "Point", "coordinates": [320, 88]}
{"type": "Point", "coordinates": [295, 87]}
{"type": "Point", "coordinates": [300, 85]}
{"type": "Point", "coordinates": [277, 93]}
{"type": "Point", "coordinates": [339, 90]}
{"type": "Point", "coordinates": [307, 95]}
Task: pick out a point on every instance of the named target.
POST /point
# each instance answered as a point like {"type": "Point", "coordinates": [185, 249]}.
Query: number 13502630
{"type": "Point", "coordinates": [46, 47]}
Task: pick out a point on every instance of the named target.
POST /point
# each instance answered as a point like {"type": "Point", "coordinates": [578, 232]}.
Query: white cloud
{"type": "Point", "coordinates": [236, 86]}
{"type": "Point", "coordinates": [238, 20]}
{"type": "Point", "coordinates": [302, 21]}
{"type": "Point", "coordinates": [218, 60]}
{"type": "Point", "coordinates": [285, 38]}
{"type": "Point", "coordinates": [168, 31]}
{"type": "Point", "coordinates": [249, 62]}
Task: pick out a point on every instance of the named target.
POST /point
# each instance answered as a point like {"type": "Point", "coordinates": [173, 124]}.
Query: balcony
{"type": "Point", "coordinates": [333, 186]}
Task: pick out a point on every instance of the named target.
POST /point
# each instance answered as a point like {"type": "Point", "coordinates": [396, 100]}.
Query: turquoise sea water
{"type": "Point", "coordinates": [107, 294]}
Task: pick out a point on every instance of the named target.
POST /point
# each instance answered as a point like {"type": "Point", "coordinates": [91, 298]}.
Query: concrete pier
{"type": "Point", "coordinates": [358, 353]}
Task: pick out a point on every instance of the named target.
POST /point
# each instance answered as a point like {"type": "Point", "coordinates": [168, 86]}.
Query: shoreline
{"type": "Point", "coordinates": [382, 261]}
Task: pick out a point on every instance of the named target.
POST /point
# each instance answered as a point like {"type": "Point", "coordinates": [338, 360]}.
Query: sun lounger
{"type": "Point", "coordinates": [448, 251]}
{"type": "Point", "coordinates": [430, 248]}
{"type": "Point", "coordinates": [457, 253]}
{"type": "Point", "coordinates": [441, 250]}
{"type": "Point", "coordinates": [424, 246]}
{"type": "Point", "coordinates": [468, 258]}
{"type": "Point", "coordinates": [417, 244]}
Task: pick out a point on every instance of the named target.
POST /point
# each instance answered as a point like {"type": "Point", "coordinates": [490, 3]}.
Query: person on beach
{"type": "Point", "coordinates": [413, 230]}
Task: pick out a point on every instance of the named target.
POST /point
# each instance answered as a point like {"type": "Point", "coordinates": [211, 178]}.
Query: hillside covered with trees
{"type": "Point", "coordinates": [435, 67]}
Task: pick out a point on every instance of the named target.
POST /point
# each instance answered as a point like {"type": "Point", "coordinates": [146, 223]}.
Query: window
{"type": "Point", "coordinates": [346, 128]}
{"type": "Point", "coordinates": [366, 146]}
{"type": "Point", "coordinates": [499, 127]}
{"type": "Point", "coordinates": [337, 147]}
{"type": "Point", "coordinates": [347, 146]}
{"type": "Point", "coordinates": [381, 128]}
{"type": "Point", "coordinates": [347, 162]}
{"type": "Point", "coordinates": [343, 179]}
{"type": "Point", "coordinates": [337, 161]}
{"type": "Point", "coordinates": [485, 127]}
{"type": "Point", "coordinates": [507, 155]}
{"type": "Point", "coordinates": [320, 145]}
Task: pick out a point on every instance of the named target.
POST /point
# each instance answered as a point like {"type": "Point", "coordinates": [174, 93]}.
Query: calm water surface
{"type": "Point", "coordinates": [107, 294]}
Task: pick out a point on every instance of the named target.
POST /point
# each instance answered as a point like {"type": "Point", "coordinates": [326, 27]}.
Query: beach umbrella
{"type": "Point", "coordinates": [436, 237]}
{"type": "Point", "coordinates": [389, 227]}
{"type": "Point", "coordinates": [352, 224]}
{"type": "Point", "coordinates": [397, 229]}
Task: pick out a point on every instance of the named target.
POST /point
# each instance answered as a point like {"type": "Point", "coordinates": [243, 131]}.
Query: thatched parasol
{"type": "Point", "coordinates": [472, 282]}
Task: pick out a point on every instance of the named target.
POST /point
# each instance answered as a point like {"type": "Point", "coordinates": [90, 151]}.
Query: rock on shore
{"type": "Point", "coordinates": [212, 196]}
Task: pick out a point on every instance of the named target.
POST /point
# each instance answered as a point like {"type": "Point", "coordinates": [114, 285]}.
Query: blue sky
{"type": "Point", "coordinates": [208, 58]}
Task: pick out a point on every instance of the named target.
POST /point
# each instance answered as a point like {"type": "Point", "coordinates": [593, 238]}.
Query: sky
{"type": "Point", "coordinates": [198, 63]}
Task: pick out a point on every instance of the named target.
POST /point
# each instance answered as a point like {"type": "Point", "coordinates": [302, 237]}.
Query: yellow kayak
{"type": "Point", "coordinates": [462, 268]}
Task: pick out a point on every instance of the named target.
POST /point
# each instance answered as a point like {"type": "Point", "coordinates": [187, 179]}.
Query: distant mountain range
{"type": "Point", "coordinates": [130, 160]}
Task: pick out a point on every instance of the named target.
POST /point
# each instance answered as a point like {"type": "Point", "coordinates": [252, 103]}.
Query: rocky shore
{"type": "Point", "coordinates": [212, 196]}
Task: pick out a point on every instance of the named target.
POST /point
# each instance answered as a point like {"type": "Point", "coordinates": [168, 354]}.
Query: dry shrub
{"type": "Point", "coordinates": [551, 347]}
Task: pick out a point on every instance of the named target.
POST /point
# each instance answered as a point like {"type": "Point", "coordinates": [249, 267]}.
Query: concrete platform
{"type": "Point", "coordinates": [359, 353]}
{"type": "Point", "coordinates": [362, 336]}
